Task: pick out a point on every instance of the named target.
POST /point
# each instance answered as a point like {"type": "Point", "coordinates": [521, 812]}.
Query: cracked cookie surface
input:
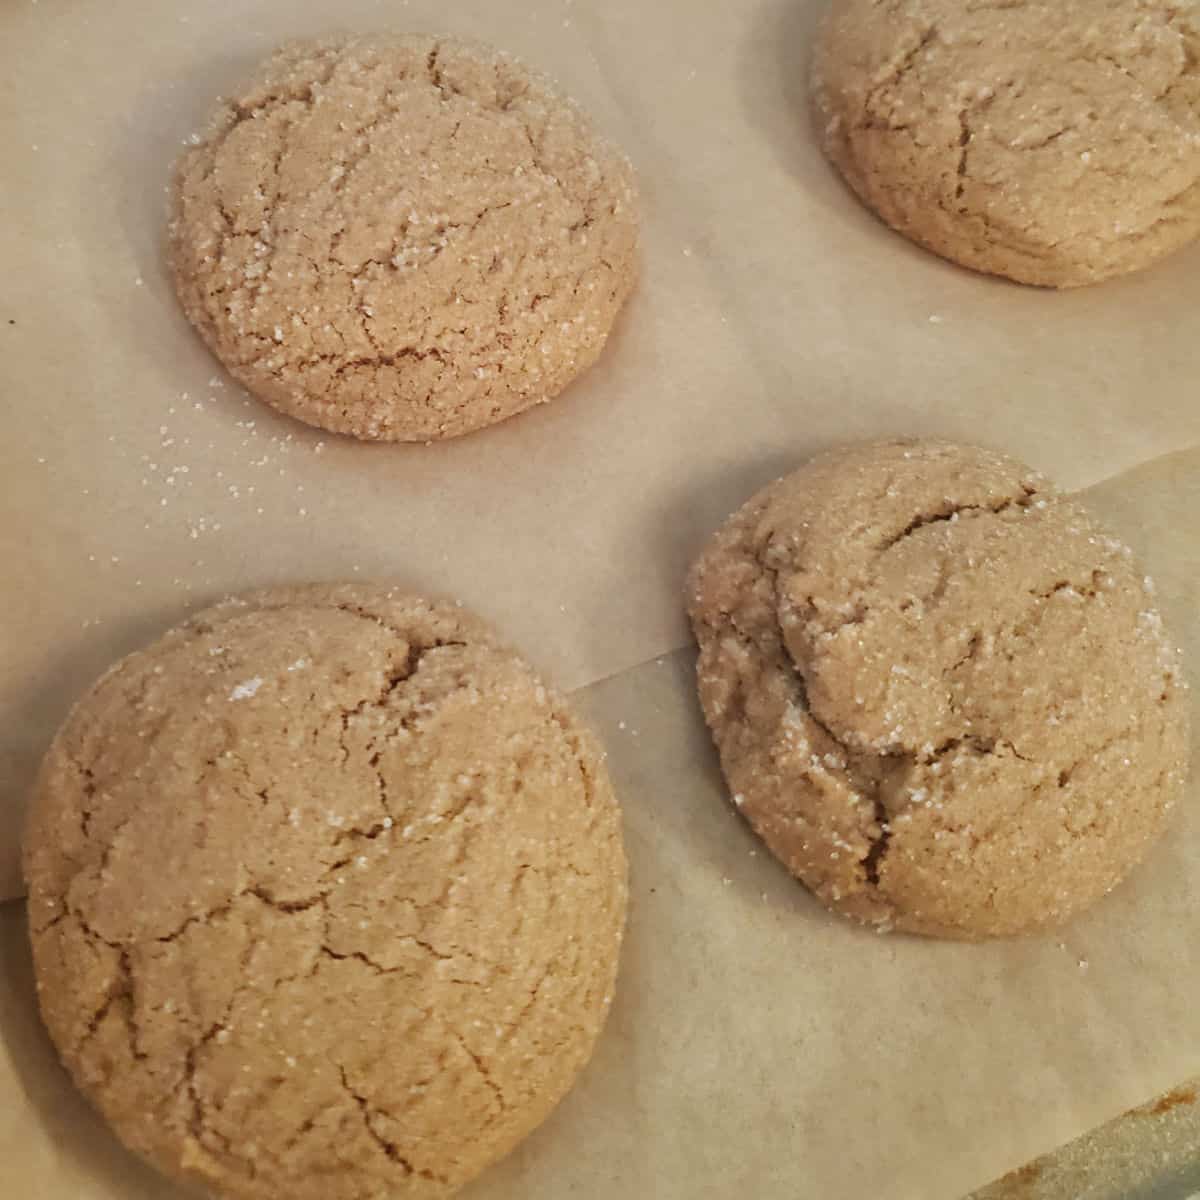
{"type": "Point", "coordinates": [1055, 142]}
{"type": "Point", "coordinates": [326, 895]}
{"type": "Point", "coordinates": [940, 693]}
{"type": "Point", "coordinates": [402, 238]}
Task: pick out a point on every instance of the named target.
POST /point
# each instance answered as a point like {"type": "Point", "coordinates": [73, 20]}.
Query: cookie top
{"type": "Point", "coordinates": [402, 238]}
{"type": "Point", "coordinates": [1056, 142]}
{"type": "Point", "coordinates": [940, 693]}
{"type": "Point", "coordinates": [326, 893]}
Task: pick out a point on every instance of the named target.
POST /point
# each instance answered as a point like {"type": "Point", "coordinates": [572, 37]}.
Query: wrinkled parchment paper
{"type": "Point", "coordinates": [758, 1046]}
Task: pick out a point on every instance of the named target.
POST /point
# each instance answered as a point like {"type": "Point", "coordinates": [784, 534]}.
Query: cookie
{"type": "Point", "coordinates": [941, 694]}
{"type": "Point", "coordinates": [402, 238]}
{"type": "Point", "coordinates": [1055, 142]}
{"type": "Point", "coordinates": [326, 893]}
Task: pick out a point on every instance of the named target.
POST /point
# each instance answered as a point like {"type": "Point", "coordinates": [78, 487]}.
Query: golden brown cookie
{"type": "Point", "coordinates": [1056, 142]}
{"type": "Point", "coordinates": [941, 694]}
{"type": "Point", "coordinates": [402, 238]}
{"type": "Point", "coordinates": [326, 893]}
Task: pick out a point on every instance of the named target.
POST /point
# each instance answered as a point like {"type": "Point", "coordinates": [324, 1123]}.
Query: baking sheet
{"type": "Point", "coordinates": [1151, 1152]}
{"type": "Point", "coordinates": [775, 316]}
{"type": "Point", "coordinates": [761, 1047]}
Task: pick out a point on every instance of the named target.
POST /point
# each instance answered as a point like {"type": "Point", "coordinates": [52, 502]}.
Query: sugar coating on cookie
{"type": "Point", "coordinates": [326, 893]}
{"type": "Point", "coordinates": [1055, 142]}
{"type": "Point", "coordinates": [940, 692]}
{"type": "Point", "coordinates": [402, 238]}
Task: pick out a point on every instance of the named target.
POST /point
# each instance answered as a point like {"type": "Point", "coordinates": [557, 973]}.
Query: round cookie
{"type": "Point", "coordinates": [402, 238]}
{"type": "Point", "coordinates": [326, 893]}
{"type": "Point", "coordinates": [940, 693]}
{"type": "Point", "coordinates": [1055, 142]}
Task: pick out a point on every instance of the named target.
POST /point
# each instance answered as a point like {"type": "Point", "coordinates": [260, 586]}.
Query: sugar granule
{"type": "Point", "coordinates": [244, 691]}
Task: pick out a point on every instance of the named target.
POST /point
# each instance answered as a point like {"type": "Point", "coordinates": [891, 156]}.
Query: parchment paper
{"type": "Point", "coordinates": [775, 316]}
{"type": "Point", "coordinates": [760, 1047]}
